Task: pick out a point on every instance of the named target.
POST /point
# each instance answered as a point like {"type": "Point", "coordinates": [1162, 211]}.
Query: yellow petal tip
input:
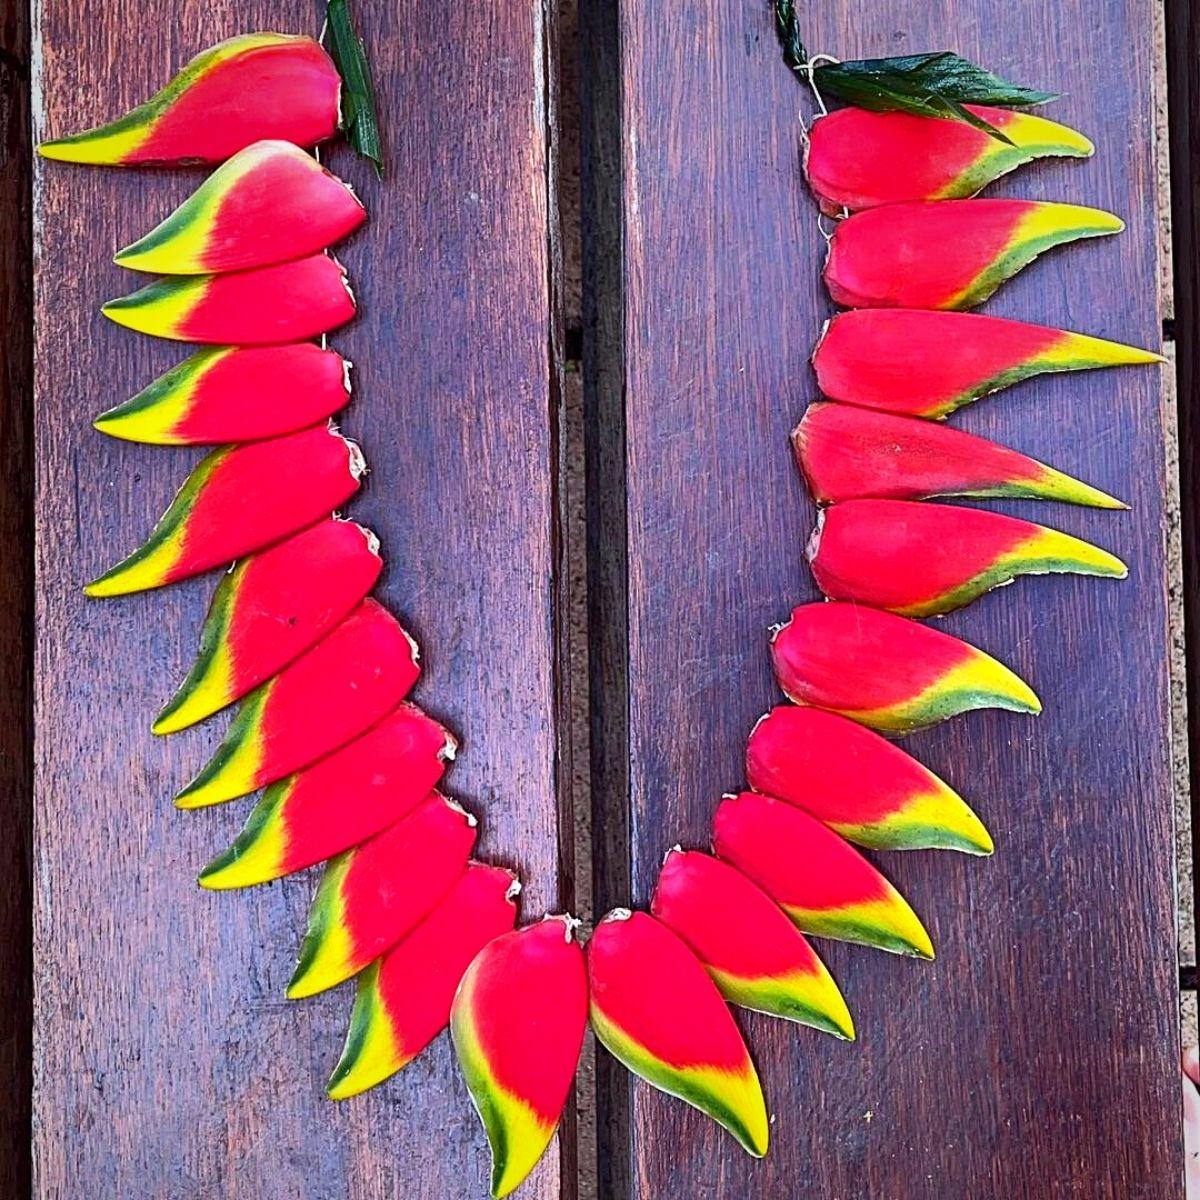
{"type": "Point", "coordinates": [104, 587]}
{"type": "Point", "coordinates": [65, 151]}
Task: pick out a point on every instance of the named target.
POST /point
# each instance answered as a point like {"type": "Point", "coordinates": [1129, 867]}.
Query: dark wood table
{"type": "Point", "coordinates": [1036, 1058]}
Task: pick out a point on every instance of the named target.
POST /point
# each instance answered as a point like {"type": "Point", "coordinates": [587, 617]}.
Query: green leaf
{"type": "Point", "coordinates": [788, 29]}
{"type": "Point", "coordinates": [945, 74]}
{"type": "Point", "coordinates": [882, 94]}
{"type": "Point", "coordinates": [358, 92]}
{"type": "Point", "coordinates": [928, 85]}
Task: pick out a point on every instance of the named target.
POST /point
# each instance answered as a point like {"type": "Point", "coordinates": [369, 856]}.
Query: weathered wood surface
{"type": "Point", "coordinates": [1038, 1056]}
{"type": "Point", "coordinates": [167, 1062]}
{"type": "Point", "coordinates": [16, 600]}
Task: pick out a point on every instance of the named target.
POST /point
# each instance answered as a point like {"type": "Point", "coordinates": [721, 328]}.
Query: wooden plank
{"type": "Point", "coordinates": [16, 602]}
{"type": "Point", "coordinates": [167, 1062]}
{"type": "Point", "coordinates": [1040, 1051]}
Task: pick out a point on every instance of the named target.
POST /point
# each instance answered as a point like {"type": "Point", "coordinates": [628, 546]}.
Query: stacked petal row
{"type": "Point", "coordinates": [322, 671]}
{"type": "Point", "coordinates": [915, 252]}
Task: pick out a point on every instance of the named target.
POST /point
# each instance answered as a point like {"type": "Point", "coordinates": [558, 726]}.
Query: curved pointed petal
{"type": "Point", "coordinates": [755, 955]}
{"type": "Point", "coordinates": [403, 999]}
{"type": "Point", "coordinates": [269, 203]}
{"type": "Point", "coordinates": [230, 394]}
{"type": "Point", "coordinates": [849, 453]}
{"type": "Point", "coordinates": [289, 302]}
{"type": "Point", "coordinates": [331, 694]}
{"type": "Point", "coordinates": [886, 671]}
{"type": "Point", "coordinates": [948, 254]}
{"type": "Point", "coordinates": [237, 500]}
{"type": "Point", "coordinates": [856, 158]}
{"type": "Point", "coordinates": [260, 85]}
{"type": "Point", "coordinates": [927, 364]}
{"type": "Point", "coordinates": [372, 897]}
{"type": "Point", "coordinates": [858, 783]}
{"type": "Point", "coordinates": [656, 1010]}
{"type": "Point", "coordinates": [338, 802]}
{"type": "Point", "coordinates": [924, 559]}
{"type": "Point", "coordinates": [269, 609]}
{"type": "Point", "coordinates": [819, 880]}
{"type": "Point", "coordinates": [518, 1022]}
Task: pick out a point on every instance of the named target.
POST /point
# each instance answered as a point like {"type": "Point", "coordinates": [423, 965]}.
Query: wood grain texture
{"type": "Point", "coordinates": [167, 1062]}
{"type": "Point", "coordinates": [16, 601]}
{"type": "Point", "coordinates": [1038, 1055]}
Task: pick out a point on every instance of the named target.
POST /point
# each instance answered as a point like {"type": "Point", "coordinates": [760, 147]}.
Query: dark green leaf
{"type": "Point", "coordinates": [788, 29]}
{"type": "Point", "coordinates": [945, 74]}
{"type": "Point", "coordinates": [929, 85]}
{"type": "Point", "coordinates": [358, 92]}
{"type": "Point", "coordinates": [877, 92]}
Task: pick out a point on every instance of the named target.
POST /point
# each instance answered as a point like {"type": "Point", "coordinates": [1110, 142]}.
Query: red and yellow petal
{"type": "Point", "coordinates": [259, 85]}
{"type": "Point", "coordinates": [948, 254]}
{"type": "Point", "coordinates": [887, 671]}
{"type": "Point", "coordinates": [373, 896]}
{"type": "Point", "coordinates": [927, 364]}
{"type": "Point", "coordinates": [237, 500]}
{"type": "Point", "coordinates": [656, 1010]}
{"type": "Point", "coordinates": [817, 878]}
{"type": "Point", "coordinates": [338, 802]}
{"type": "Point", "coordinates": [755, 955]}
{"type": "Point", "coordinates": [921, 560]}
{"type": "Point", "coordinates": [858, 783]}
{"type": "Point", "coordinates": [269, 203]}
{"type": "Point", "coordinates": [351, 679]}
{"type": "Point", "coordinates": [403, 999]}
{"type": "Point", "coordinates": [859, 159]}
{"type": "Point", "coordinates": [518, 1022]}
{"type": "Point", "coordinates": [288, 302]}
{"type": "Point", "coordinates": [269, 609]}
{"type": "Point", "coordinates": [850, 453]}
{"type": "Point", "coordinates": [231, 394]}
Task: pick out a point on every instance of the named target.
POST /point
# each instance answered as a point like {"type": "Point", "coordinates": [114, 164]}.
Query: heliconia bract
{"type": "Point", "coordinates": [849, 453]}
{"type": "Point", "coordinates": [338, 802]}
{"type": "Point", "coordinates": [260, 85]}
{"type": "Point", "coordinates": [655, 1009]}
{"type": "Point", "coordinates": [924, 559]}
{"type": "Point", "coordinates": [856, 158]}
{"type": "Point", "coordinates": [352, 678]}
{"type": "Point", "coordinates": [269, 203]}
{"type": "Point", "coordinates": [817, 878]}
{"type": "Point", "coordinates": [234, 394]}
{"type": "Point", "coordinates": [373, 896]}
{"type": "Point", "coordinates": [269, 609]}
{"type": "Point", "coordinates": [288, 302]}
{"type": "Point", "coordinates": [518, 1022]}
{"type": "Point", "coordinates": [755, 955]}
{"type": "Point", "coordinates": [948, 254]}
{"type": "Point", "coordinates": [403, 999]}
{"type": "Point", "coordinates": [887, 671]}
{"type": "Point", "coordinates": [237, 500]}
{"type": "Point", "coordinates": [927, 364]}
{"type": "Point", "coordinates": [858, 783]}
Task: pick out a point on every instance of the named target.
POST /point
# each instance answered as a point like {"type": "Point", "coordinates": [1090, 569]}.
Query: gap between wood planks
{"type": "Point", "coordinates": [1177, 125]}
